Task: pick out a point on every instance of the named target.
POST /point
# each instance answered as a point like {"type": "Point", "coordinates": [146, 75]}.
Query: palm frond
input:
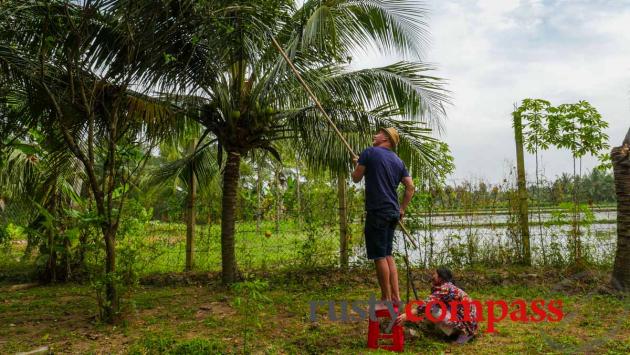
{"type": "Point", "coordinates": [342, 27]}
{"type": "Point", "coordinates": [322, 150]}
{"type": "Point", "coordinates": [404, 85]}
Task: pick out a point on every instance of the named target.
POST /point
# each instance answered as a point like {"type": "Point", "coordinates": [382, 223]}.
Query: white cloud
{"type": "Point", "coordinates": [496, 53]}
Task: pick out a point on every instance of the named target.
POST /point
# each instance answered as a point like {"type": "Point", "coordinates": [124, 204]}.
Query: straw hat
{"type": "Point", "coordinates": [392, 134]}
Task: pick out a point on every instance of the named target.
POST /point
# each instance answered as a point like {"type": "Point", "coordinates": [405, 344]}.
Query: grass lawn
{"type": "Point", "coordinates": [272, 316]}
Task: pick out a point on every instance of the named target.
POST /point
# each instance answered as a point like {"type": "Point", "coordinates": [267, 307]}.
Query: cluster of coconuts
{"type": "Point", "coordinates": [258, 118]}
{"type": "Point", "coordinates": [256, 111]}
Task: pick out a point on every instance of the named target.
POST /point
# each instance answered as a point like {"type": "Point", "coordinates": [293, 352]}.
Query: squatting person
{"type": "Point", "coordinates": [443, 290]}
{"type": "Point", "coordinates": [383, 171]}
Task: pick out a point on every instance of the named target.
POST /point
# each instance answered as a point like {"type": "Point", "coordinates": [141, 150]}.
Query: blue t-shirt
{"type": "Point", "coordinates": [383, 172]}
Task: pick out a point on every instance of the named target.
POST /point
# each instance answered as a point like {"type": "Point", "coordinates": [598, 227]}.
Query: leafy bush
{"type": "Point", "coordinates": [4, 235]}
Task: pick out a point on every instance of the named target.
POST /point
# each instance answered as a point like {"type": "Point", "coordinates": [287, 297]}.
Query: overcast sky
{"type": "Point", "coordinates": [494, 53]}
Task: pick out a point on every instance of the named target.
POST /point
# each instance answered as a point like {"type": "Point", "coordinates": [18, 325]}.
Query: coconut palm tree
{"type": "Point", "coordinates": [38, 185]}
{"type": "Point", "coordinates": [57, 55]}
{"type": "Point", "coordinates": [239, 88]}
{"type": "Point", "coordinates": [252, 101]}
{"type": "Point", "coordinates": [621, 165]}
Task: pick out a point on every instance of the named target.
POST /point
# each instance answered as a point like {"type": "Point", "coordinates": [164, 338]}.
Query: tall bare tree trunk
{"type": "Point", "coordinates": [541, 235]}
{"type": "Point", "coordinates": [522, 189]}
{"type": "Point", "coordinates": [342, 194]}
{"type": "Point", "coordinates": [258, 197]}
{"type": "Point", "coordinates": [83, 237]}
{"type": "Point", "coordinates": [49, 274]}
{"type": "Point", "coordinates": [230, 188]}
{"type": "Point", "coordinates": [278, 202]}
{"type": "Point", "coordinates": [575, 231]}
{"type": "Point", "coordinates": [110, 308]}
{"type": "Point", "coordinates": [191, 217]}
{"type": "Point", "coordinates": [429, 259]}
{"type": "Point", "coordinates": [297, 189]}
{"type": "Point", "coordinates": [621, 165]}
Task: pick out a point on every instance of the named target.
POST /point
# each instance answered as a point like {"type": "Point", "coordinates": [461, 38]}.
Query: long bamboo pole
{"type": "Point", "coordinates": [330, 121]}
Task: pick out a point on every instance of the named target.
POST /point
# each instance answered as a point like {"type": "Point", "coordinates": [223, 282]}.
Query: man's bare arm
{"type": "Point", "coordinates": [359, 171]}
{"type": "Point", "coordinates": [409, 191]}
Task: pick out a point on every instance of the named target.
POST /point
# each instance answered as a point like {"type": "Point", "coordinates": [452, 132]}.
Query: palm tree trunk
{"type": "Point", "coordinates": [51, 266]}
{"type": "Point", "coordinates": [110, 308]}
{"type": "Point", "coordinates": [191, 217]}
{"type": "Point", "coordinates": [258, 197]}
{"type": "Point", "coordinates": [83, 237]}
{"type": "Point", "coordinates": [343, 220]}
{"type": "Point", "coordinates": [429, 259]}
{"type": "Point", "coordinates": [522, 189]}
{"type": "Point", "coordinates": [52, 258]}
{"type": "Point", "coordinates": [278, 202]}
{"type": "Point", "coordinates": [297, 189]}
{"type": "Point", "coordinates": [230, 187]}
{"type": "Point", "coordinates": [621, 166]}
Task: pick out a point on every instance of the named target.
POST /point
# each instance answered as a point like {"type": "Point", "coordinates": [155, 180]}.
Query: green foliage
{"type": "Point", "coordinates": [312, 251]}
{"type": "Point", "coordinates": [5, 237]}
{"type": "Point", "coordinates": [251, 302]}
{"type": "Point", "coordinates": [251, 299]}
{"type": "Point", "coordinates": [534, 113]}
{"type": "Point", "coordinates": [199, 346]}
{"type": "Point", "coordinates": [560, 215]}
{"type": "Point", "coordinates": [152, 344]}
{"type": "Point", "coordinates": [69, 75]}
{"type": "Point", "coordinates": [308, 251]}
{"type": "Point", "coordinates": [165, 344]}
{"type": "Point", "coordinates": [160, 330]}
{"type": "Point", "coordinates": [578, 127]}
{"type": "Point", "coordinates": [134, 218]}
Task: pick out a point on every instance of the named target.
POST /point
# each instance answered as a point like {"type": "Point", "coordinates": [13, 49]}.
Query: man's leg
{"type": "Point", "coordinates": [393, 278]}
{"type": "Point", "coordinates": [393, 271]}
{"type": "Point", "coordinates": [383, 275]}
{"type": "Point", "coordinates": [376, 234]}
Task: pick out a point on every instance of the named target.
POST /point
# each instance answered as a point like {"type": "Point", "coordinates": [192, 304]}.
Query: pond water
{"type": "Point", "coordinates": [486, 237]}
{"type": "Point", "coordinates": [487, 218]}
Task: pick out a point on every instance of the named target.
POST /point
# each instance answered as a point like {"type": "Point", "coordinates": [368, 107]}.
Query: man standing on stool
{"type": "Point", "coordinates": [383, 171]}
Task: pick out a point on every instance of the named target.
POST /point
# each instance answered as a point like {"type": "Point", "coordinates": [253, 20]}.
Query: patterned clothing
{"type": "Point", "coordinates": [446, 293]}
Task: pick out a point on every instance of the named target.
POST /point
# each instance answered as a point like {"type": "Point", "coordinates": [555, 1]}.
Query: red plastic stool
{"type": "Point", "coordinates": [396, 336]}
